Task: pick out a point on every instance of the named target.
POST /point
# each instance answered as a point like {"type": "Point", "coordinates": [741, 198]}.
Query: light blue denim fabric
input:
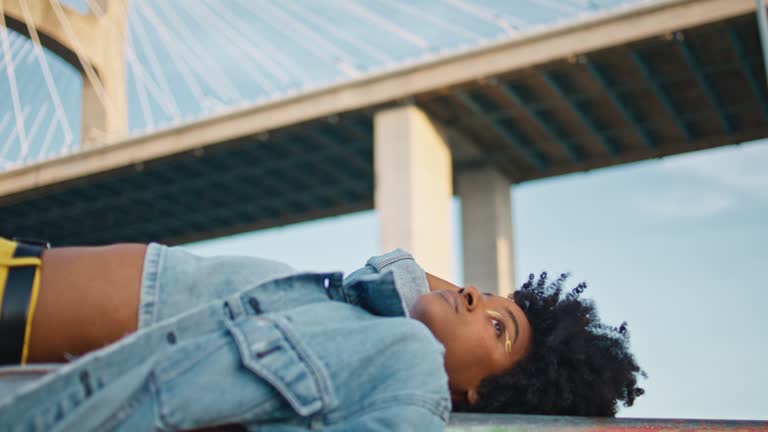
{"type": "Point", "coordinates": [303, 351]}
{"type": "Point", "coordinates": [410, 279]}
{"type": "Point", "coordinates": [175, 281]}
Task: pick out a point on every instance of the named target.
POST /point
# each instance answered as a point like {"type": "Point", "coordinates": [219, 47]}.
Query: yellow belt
{"type": "Point", "coordinates": [19, 286]}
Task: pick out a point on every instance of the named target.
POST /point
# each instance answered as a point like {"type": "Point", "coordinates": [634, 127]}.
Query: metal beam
{"type": "Point", "coordinates": [583, 117]}
{"type": "Point", "coordinates": [530, 154]}
{"type": "Point", "coordinates": [346, 183]}
{"type": "Point", "coordinates": [706, 86]}
{"type": "Point", "coordinates": [263, 206]}
{"type": "Point", "coordinates": [511, 93]}
{"type": "Point", "coordinates": [667, 79]}
{"type": "Point", "coordinates": [360, 129]}
{"type": "Point", "coordinates": [746, 67]}
{"type": "Point", "coordinates": [311, 177]}
{"type": "Point", "coordinates": [322, 135]}
{"type": "Point", "coordinates": [297, 211]}
{"type": "Point", "coordinates": [661, 95]}
{"type": "Point", "coordinates": [165, 191]}
{"type": "Point", "coordinates": [599, 76]}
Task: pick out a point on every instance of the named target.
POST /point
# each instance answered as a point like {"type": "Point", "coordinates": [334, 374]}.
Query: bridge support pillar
{"type": "Point", "coordinates": [414, 187]}
{"type": "Point", "coordinates": [92, 43]}
{"type": "Point", "coordinates": [104, 121]}
{"type": "Point", "coordinates": [486, 213]}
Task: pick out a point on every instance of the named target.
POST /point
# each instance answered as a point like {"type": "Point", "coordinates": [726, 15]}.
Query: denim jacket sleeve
{"type": "Point", "coordinates": [410, 278]}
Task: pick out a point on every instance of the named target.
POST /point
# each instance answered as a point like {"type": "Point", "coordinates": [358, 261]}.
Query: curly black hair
{"type": "Point", "coordinates": [576, 365]}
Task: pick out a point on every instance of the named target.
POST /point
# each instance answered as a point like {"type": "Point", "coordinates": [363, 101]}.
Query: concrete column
{"type": "Point", "coordinates": [486, 212]}
{"type": "Point", "coordinates": [414, 187]}
{"type": "Point", "coordinates": [103, 123]}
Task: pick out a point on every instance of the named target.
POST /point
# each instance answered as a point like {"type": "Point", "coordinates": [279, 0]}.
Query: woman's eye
{"type": "Point", "coordinates": [498, 326]}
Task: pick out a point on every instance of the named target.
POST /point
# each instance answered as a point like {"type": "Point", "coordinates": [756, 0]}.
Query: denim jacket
{"type": "Point", "coordinates": [296, 352]}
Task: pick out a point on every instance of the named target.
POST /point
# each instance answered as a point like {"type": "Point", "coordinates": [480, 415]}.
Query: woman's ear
{"type": "Point", "coordinates": [459, 399]}
{"type": "Point", "coordinates": [462, 400]}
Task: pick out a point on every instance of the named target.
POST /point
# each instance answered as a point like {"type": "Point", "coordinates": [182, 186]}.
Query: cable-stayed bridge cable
{"type": "Point", "coordinates": [9, 140]}
{"type": "Point", "coordinates": [217, 78]}
{"type": "Point", "coordinates": [154, 66]}
{"type": "Point", "coordinates": [9, 69]}
{"type": "Point", "coordinates": [184, 69]}
{"type": "Point", "coordinates": [48, 77]}
{"type": "Point", "coordinates": [286, 65]}
{"type": "Point", "coordinates": [338, 32]}
{"type": "Point", "coordinates": [387, 25]}
{"type": "Point", "coordinates": [486, 15]}
{"type": "Point", "coordinates": [234, 45]}
{"type": "Point", "coordinates": [344, 62]}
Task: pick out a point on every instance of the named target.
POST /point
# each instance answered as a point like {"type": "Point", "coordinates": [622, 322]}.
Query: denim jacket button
{"type": "Point", "coordinates": [171, 338]}
{"type": "Point", "coordinates": [85, 380]}
{"type": "Point", "coordinates": [228, 311]}
{"type": "Point", "coordinates": [254, 303]}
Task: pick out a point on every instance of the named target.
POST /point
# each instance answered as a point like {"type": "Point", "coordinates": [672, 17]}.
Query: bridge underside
{"type": "Point", "coordinates": [700, 88]}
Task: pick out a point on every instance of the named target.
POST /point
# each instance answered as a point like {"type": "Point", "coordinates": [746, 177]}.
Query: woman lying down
{"type": "Point", "coordinates": [136, 337]}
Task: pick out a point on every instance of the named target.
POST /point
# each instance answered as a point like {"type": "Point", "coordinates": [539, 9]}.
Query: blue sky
{"type": "Point", "coordinates": [677, 247]}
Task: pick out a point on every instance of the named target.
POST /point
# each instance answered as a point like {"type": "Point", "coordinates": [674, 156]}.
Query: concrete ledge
{"type": "Point", "coordinates": [508, 422]}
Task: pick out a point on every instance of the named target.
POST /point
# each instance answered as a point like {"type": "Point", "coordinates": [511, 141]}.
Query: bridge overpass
{"type": "Point", "coordinates": [657, 79]}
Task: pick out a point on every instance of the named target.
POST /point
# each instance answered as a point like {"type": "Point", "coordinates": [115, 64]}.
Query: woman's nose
{"type": "Point", "coordinates": [471, 296]}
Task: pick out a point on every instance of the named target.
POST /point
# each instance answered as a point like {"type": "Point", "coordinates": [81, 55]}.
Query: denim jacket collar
{"type": "Point", "coordinates": [387, 286]}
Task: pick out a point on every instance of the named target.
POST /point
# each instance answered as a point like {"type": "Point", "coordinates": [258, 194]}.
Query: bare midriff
{"type": "Point", "coordinates": [88, 298]}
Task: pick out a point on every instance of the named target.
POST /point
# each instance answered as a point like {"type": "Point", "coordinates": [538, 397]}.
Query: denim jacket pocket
{"type": "Point", "coordinates": [274, 352]}
{"type": "Point", "coordinates": [257, 370]}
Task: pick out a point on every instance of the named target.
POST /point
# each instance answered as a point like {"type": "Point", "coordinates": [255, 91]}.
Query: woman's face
{"type": "Point", "coordinates": [483, 335]}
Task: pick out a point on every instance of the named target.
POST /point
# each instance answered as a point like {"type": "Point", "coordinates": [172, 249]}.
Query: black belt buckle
{"type": "Point", "coordinates": [33, 242]}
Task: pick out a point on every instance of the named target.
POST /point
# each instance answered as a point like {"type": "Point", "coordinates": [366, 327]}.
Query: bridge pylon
{"type": "Point", "coordinates": [94, 44]}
